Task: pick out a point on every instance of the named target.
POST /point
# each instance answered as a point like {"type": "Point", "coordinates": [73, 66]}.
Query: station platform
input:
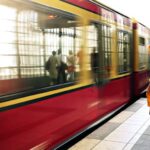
{"type": "Point", "coordinates": [128, 130]}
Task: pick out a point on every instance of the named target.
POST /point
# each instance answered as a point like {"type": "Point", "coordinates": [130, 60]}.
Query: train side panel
{"type": "Point", "coordinates": [141, 64]}
{"type": "Point", "coordinates": [52, 121]}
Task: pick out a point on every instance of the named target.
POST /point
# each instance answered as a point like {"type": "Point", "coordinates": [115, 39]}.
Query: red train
{"type": "Point", "coordinates": [98, 61]}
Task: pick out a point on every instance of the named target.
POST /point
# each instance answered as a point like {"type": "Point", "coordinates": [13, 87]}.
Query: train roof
{"type": "Point", "coordinates": [111, 9]}
{"type": "Point", "coordinates": [107, 7]}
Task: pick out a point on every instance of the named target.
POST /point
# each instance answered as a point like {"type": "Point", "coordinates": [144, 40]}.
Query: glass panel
{"type": "Point", "coordinates": [8, 61]}
{"type": "Point", "coordinates": [68, 51]}
{"type": "Point", "coordinates": [8, 73]}
{"type": "Point", "coordinates": [141, 41]}
{"type": "Point", "coordinates": [78, 46]}
{"type": "Point", "coordinates": [106, 46]}
{"type": "Point", "coordinates": [8, 42]}
{"type": "Point", "coordinates": [123, 52]}
{"type": "Point", "coordinates": [92, 50]}
{"type": "Point", "coordinates": [143, 54]}
{"type": "Point", "coordinates": [28, 39]}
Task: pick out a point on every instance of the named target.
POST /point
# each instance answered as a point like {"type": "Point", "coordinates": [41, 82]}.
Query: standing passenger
{"type": "Point", "coordinates": [61, 68]}
{"type": "Point", "coordinates": [94, 63]}
{"type": "Point", "coordinates": [53, 68]}
{"type": "Point", "coordinates": [94, 60]}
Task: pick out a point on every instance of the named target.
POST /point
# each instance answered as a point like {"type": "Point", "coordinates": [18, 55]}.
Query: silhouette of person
{"type": "Point", "coordinates": [61, 68]}
{"type": "Point", "coordinates": [53, 68]}
{"type": "Point", "coordinates": [94, 63]}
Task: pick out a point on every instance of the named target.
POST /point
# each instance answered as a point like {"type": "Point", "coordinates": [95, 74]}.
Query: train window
{"type": "Point", "coordinates": [29, 39]}
{"type": "Point", "coordinates": [123, 51]}
{"type": "Point", "coordinates": [29, 45]}
{"type": "Point", "coordinates": [106, 46]}
{"type": "Point", "coordinates": [8, 61]}
{"type": "Point", "coordinates": [78, 48]}
{"type": "Point", "coordinates": [92, 39]}
{"type": "Point", "coordinates": [142, 53]}
{"type": "Point", "coordinates": [141, 41]}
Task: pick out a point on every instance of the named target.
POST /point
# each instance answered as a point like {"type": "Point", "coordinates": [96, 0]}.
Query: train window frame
{"type": "Point", "coordinates": [92, 42]}
{"type": "Point", "coordinates": [142, 53]}
{"type": "Point", "coordinates": [104, 66]}
{"type": "Point", "coordinates": [141, 40]}
{"type": "Point", "coordinates": [21, 57]}
{"type": "Point", "coordinates": [123, 51]}
{"type": "Point", "coordinates": [106, 48]}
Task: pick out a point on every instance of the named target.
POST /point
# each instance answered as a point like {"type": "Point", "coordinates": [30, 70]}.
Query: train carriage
{"type": "Point", "coordinates": [141, 58]}
{"type": "Point", "coordinates": [109, 57]}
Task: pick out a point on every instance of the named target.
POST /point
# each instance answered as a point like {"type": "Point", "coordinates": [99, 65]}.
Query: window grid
{"type": "Point", "coordinates": [143, 54]}
{"type": "Point", "coordinates": [30, 45]}
{"type": "Point", "coordinates": [123, 52]}
{"type": "Point", "coordinates": [106, 46]}
{"type": "Point", "coordinates": [51, 39]}
{"type": "Point", "coordinates": [92, 40]}
{"type": "Point", "coordinates": [67, 42]}
{"type": "Point", "coordinates": [8, 61]}
{"type": "Point", "coordinates": [78, 46]}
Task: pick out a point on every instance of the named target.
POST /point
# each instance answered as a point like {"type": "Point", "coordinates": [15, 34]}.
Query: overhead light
{"type": "Point", "coordinates": [51, 17]}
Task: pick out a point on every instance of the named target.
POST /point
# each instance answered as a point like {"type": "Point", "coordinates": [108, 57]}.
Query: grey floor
{"type": "Point", "coordinates": [129, 130]}
{"type": "Point", "coordinates": [143, 142]}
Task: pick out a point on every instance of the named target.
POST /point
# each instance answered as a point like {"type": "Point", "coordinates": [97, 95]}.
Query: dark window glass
{"type": "Point", "coordinates": [141, 41]}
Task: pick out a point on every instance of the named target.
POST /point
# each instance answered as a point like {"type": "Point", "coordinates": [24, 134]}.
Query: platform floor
{"type": "Point", "coordinates": [129, 130]}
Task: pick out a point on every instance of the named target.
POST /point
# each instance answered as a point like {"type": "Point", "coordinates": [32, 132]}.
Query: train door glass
{"type": "Point", "coordinates": [106, 48]}
{"type": "Point", "coordinates": [92, 48]}
{"type": "Point", "coordinates": [99, 50]}
{"type": "Point", "coordinates": [70, 43]}
{"type": "Point", "coordinates": [123, 52]}
{"type": "Point", "coordinates": [8, 52]}
{"type": "Point", "coordinates": [143, 54]}
{"type": "Point", "coordinates": [92, 51]}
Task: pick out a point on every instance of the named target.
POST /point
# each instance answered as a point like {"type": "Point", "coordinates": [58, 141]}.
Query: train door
{"type": "Point", "coordinates": [99, 52]}
{"type": "Point", "coordinates": [99, 39]}
{"type": "Point", "coordinates": [104, 54]}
